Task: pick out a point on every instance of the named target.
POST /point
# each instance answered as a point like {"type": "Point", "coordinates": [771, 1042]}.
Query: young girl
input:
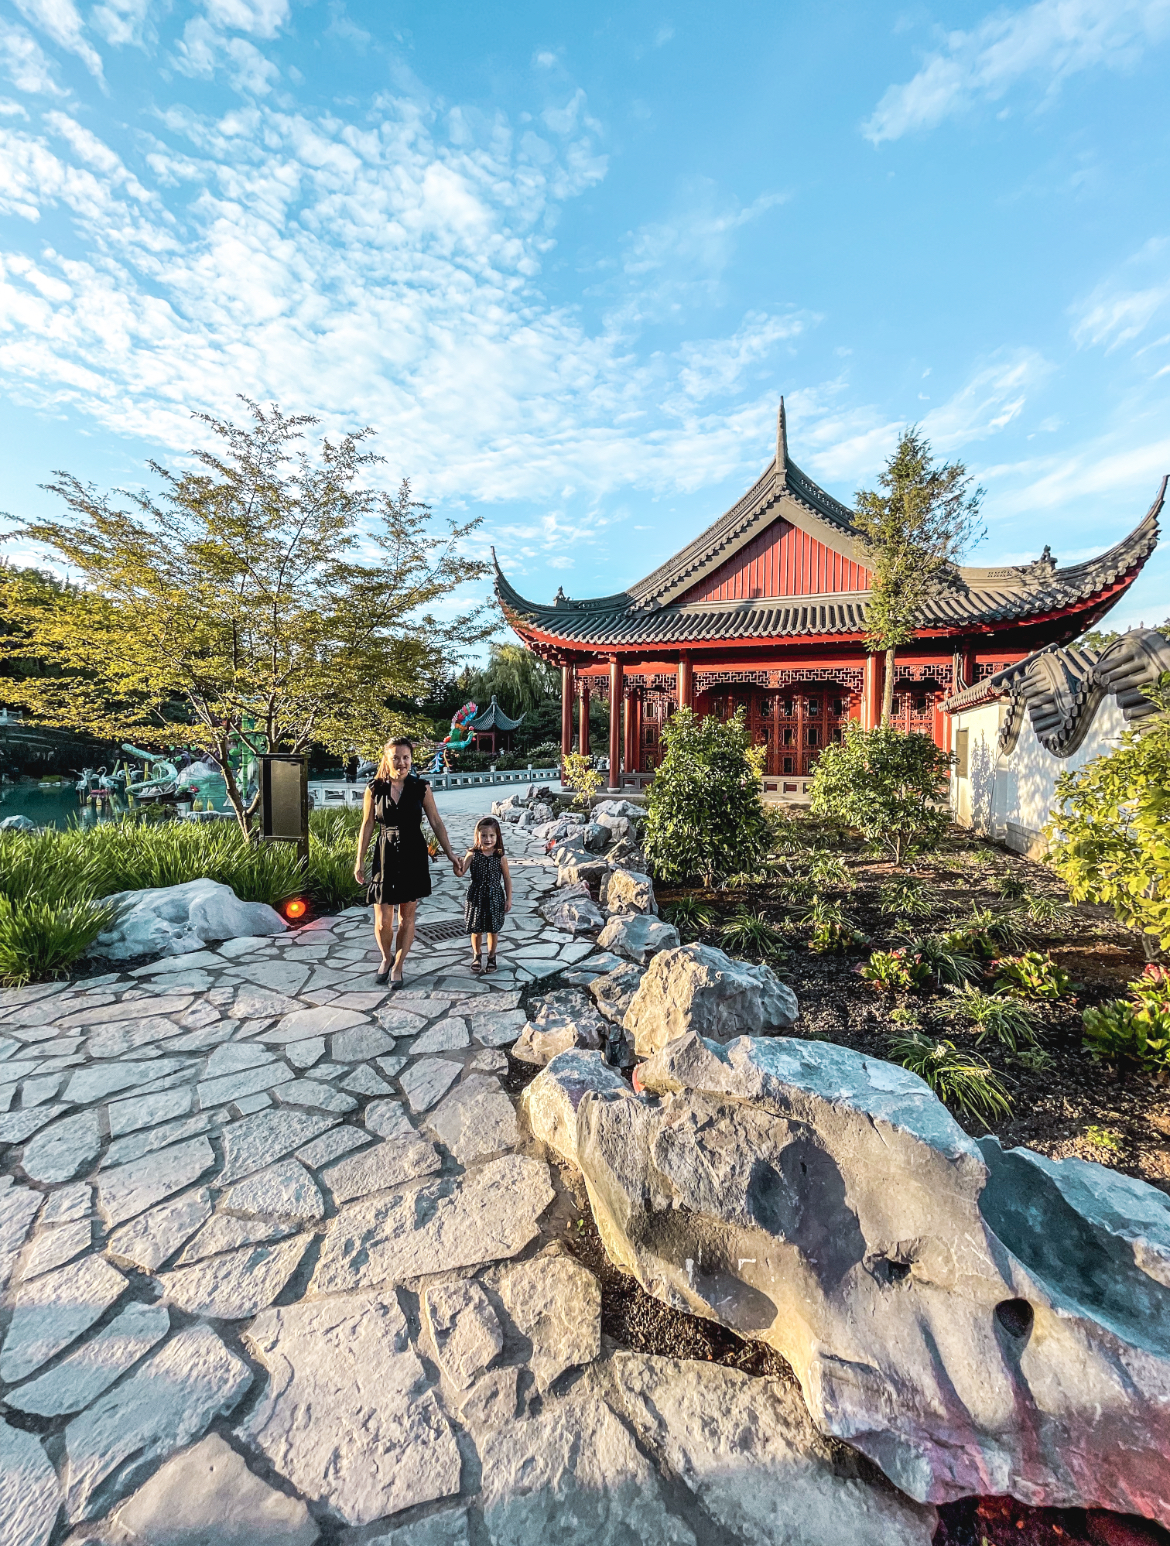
{"type": "Point", "coordinates": [489, 896]}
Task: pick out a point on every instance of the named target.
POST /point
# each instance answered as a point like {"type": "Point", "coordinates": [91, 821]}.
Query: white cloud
{"type": "Point", "coordinates": [203, 47]}
{"type": "Point", "coordinates": [990, 401]}
{"type": "Point", "coordinates": [123, 22]}
{"type": "Point", "coordinates": [61, 21]}
{"type": "Point", "coordinates": [23, 61]}
{"type": "Point", "coordinates": [1051, 39]}
{"type": "Point", "coordinates": [260, 18]}
{"type": "Point", "coordinates": [1118, 309]}
{"type": "Point", "coordinates": [719, 365]}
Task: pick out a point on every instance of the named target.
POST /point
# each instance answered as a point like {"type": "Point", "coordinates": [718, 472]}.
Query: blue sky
{"type": "Point", "coordinates": [566, 258]}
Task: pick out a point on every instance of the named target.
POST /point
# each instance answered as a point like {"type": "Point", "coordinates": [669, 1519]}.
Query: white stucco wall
{"type": "Point", "coordinates": [1011, 797]}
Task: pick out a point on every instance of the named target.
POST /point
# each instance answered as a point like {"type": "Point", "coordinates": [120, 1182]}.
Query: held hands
{"type": "Point", "coordinates": [458, 866]}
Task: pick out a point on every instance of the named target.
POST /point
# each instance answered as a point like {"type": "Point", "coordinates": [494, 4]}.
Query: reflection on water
{"type": "Point", "coordinates": [63, 807]}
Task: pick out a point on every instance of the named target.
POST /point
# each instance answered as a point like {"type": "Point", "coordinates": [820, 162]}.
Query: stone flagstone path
{"type": "Point", "coordinates": [280, 1263]}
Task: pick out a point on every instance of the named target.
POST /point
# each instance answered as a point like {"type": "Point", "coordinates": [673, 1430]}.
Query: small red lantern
{"type": "Point", "coordinates": [297, 908]}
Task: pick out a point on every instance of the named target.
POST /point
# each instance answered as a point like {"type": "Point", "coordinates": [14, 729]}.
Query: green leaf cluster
{"type": "Point", "coordinates": [890, 785]}
{"type": "Point", "coordinates": [1033, 976]}
{"type": "Point", "coordinates": [1134, 1032]}
{"type": "Point", "coordinates": [705, 819]}
{"type": "Point", "coordinates": [959, 1077]}
{"type": "Point", "coordinates": [894, 971]}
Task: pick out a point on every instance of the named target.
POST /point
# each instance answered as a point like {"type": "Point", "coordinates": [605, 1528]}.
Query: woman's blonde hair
{"type": "Point", "coordinates": [489, 821]}
{"type": "Point", "coordinates": [385, 771]}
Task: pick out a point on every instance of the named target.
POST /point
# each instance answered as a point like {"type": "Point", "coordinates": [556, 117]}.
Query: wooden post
{"type": "Point", "coordinates": [616, 686]}
{"type": "Point", "coordinates": [566, 711]}
{"type": "Point", "coordinates": [636, 759]}
{"type": "Point", "coordinates": [583, 718]}
{"type": "Point", "coordinates": [686, 683]}
{"type": "Point", "coordinates": [871, 699]}
{"type": "Point", "coordinates": [628, 732]}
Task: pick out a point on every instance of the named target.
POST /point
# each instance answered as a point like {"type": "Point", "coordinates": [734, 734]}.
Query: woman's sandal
{"type": "Point", "coordinates": [491, 963]}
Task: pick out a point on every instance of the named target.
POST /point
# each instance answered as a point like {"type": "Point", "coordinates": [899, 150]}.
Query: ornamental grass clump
{"type": "Point", "coordinates": [43, 939]}
{"type": "Point", "coordinates": [948, 964]}
{"type": "Point", "coordinates": [906, 897]}
{"type": "Point", "coordinates": [960, 1078]}
{"type": "Point", "coordinates": [992, 1014]}
{"type": "Point", "coordinates": [751, 934]}
{"type": "Point", "coordinates": [690, 916]}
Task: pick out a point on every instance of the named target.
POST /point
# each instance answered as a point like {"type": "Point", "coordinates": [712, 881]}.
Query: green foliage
{"type": "Point", "coordinates": [751, 934]}
{"type": "Point", "coordinates": [986, 933]}
{"type": "Point", "coordinates": [1034, 976]}
{"type": "Point", "coordinates": [1044, 910]}
{"type": "Point", "coordinates": [582, 778]}
{"type": "Point", "coordinates": [991, 1014]}
{"type": "Point", "coordinates": [1152, 987]}
{"type": "Point", "coordinates": [906, 897]}
{"type": "Point", "coordinates": [1130, 1035]}
{"type": "Point", "coordinates": [1011, 887]}
{"type": "Point", "coordinates": [895, 971]}
{"type": "Point", "coordinates": [828, 869]}
{"type": "Point", "coordinates": [961, 1078]}
{"type": "Point", "coordinates": [1103, 1138]}
{"type": "Point", "coordinates": [835, 937]}
{"type": "Point", "coordinates": [332, 848]}
{"type": "Point", "coordinates": [705, 818]}
{"type": "Point", "coordinates": [40, 939]}
{"type": "Point", "coordinates": [889, 785]}
{"type": "Point", "coordinates": [690, 916]}
{"type": "Point", "coordinates": [947, 964]}
{"type": "Point", "coordinates": [1109, 835]}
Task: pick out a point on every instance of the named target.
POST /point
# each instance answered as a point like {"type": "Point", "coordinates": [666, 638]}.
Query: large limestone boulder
{"type": "Point", "coordinates": [556, 1023]}
{"type": "Point", "coordinates": [638, 937]}
{"type": "Point", "coordinates": [174, 920]}
{"type": "Point", "coordinates": [596, 837]}
{"type": "Point", "coordinates": [550, 1102]}
{"type": "Point", "coordinates": [628, 891]}
{"type": "Point", "coordinates": [618, 810]}
{"type": "Point", "coordinates": [975, 1321]}
{"type": "Point", "coordinates": [699, 988]}
{"type": "Point", "coordinates": [573, 910]}
{"type": "Point", "coordinates": [581, 869]}
{"type": "Point", "coordinates": [613, 991]}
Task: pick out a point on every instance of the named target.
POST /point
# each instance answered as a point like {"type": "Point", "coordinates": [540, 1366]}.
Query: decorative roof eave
{"type": "Point", "coordinates": [494, 718]}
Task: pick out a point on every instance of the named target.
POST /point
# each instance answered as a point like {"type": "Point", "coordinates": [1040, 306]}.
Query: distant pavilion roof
{"type": "Point", "coordinates": [656, 612]}
{"type": "Point", "coordinates": [494, 718]}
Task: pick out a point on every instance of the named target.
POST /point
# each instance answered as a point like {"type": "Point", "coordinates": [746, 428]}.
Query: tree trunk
{"type": "Point", "coordinates": [888, 688]}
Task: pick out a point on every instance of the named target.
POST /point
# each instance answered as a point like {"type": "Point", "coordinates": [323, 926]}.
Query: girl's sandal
{"type": "Point", "coordinates": [491, 964]}
{"type": "Point", "coordinates": [476, 965]}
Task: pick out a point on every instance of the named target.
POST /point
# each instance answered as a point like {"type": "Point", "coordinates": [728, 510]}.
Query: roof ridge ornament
{"type": "Point", "coordinates": [781, 443]}
{"type": "Point", "coordinates": [1040, 570]}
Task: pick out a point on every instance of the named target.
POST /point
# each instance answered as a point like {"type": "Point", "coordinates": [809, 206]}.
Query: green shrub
{"type": "Point", "coordinates": [1109, 836]}
{"type": "Point", "coordinates": [991, 1014]}
{"type": "Point", "coordinates": [906, 897]}
{"type": "Point", "coordinates": [690, 916]}
{"type": "Point", "coordinates": [1011, 887]}
{"type": "Point", "coordinates": [332, 852]}
{"type": "Point", "coordinates": [895, 971]}
{"type": "Point", "coordinates": [751, 934]}
{"type": "Point", "coordinates": [1152, 987]}
{"type": "Point", "coordinates": [1034, 976]}
{"type": "Point", "coordinates": [958, 1077]}
{"type": "Point", "coordinates": [835, 937]}
{"type": "Point", "coordinates": [1044, 910]}
{"type": "Point", "coordinates": [826, 869]}
{"type": "Point", "coordinates": [582, 778]}
{"type": "Point", "coordinates": [890, 785]}
{"type": "Point", "coordinates": [1129, 1035]}
{"type": "Point", "coordinates": [705, 818]}
{"type": "Point", "coordinates": [43, 939]}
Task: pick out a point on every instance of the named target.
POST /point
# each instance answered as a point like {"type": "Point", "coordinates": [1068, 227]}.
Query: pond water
{"type": "Point", "coordinates": [62, 807]}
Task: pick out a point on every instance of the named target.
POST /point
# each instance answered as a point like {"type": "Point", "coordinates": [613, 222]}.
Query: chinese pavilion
{"type": "Point", "coordinates": [766, 610]}
{"type": "Point", "coordinates": [493, 723]}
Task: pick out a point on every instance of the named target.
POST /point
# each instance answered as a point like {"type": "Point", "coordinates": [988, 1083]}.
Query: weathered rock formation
{"type": "Point", "coordinates": [699, 988]}
{"type": "Point", "coordinates": [175, 920]}
{"type": "Point", "coordinates": [638, 937]}
{"type": "Point", "coordinates": [556, 1023]}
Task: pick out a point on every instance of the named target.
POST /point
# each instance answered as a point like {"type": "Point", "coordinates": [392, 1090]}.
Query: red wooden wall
{"type": "Point", "coordinates": [781, 561]}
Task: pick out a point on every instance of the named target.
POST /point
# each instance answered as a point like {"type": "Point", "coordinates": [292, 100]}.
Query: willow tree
{"type": "Point", "coordinates": [912, 535]}
{"type": "Point", "coordinates": [266, 599]}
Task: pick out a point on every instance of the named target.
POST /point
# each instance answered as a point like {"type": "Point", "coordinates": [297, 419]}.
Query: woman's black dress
{"type": "Point", "coordinates": [483, 912]}
{"type": "Point", "coordinates": [401, 866]}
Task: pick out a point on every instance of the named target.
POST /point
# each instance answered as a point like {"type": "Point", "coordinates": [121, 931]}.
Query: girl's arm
{"type": "Point", "coordinates": [507, 884]}
{"type": "Point", "coordinates": [364, 835]}
{"type": "Point", "coordinates": [438, 828]}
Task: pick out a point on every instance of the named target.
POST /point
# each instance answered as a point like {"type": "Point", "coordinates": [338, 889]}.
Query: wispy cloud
{"type": "Point", "coordinates": [1049, 41]}
{"type": "Point", "coordinates": [24, 63]}
{"type": "Point", "coordinates": [61, 21]}
{"type": "Point", "coordinates": [1123, 305]}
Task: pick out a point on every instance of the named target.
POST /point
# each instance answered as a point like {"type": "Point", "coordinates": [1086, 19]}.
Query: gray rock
{"type": "Point", "coordinates": [68, 1203]}
{"type": "Point", "coordinates": [127, 1116]}
{"type": "Point", "coordinates": [424, 1082]}
{"type": "Point", "coordinates": [208, 1497]}
{"type": "Point", "coordinates": [30, 1498]}
{"type": "Point", "coordinates": [236, 1286]}
{"type": "Point", "coordinates": [256, 1141]}
{"type": "Point", "coordinates": [550, 1102]}
{"type": "Point", "coordinates": [234, 1056]}
{"type": "Point", "coordinates": [613, 992]}
{"type": "Point", "coordinates": [346, 1416]}
{"type": "Point", "coordinates": [130, 1189]}
{"type": "Point", "coordinates": [315, 1092]}
{"type": "Point", "coordinates": [389, 1163]}
{"type": "Point", "coordinates": [364, 1081]}
{"type": "Point", "coordinates": [388, 1119]}
{"type": "Point", "coordinates": [366, 1041]}
{"type": "Point", "coordinates": [574, 915]}
{"type": "Point", "coordinates": [51, 1311]}
{"type": "Point", "coordinates": [476, 1119]}
{"type": "Point", "coordinates": [83, 1375]}
{"type": "Point", "coordinates": [638, 937]}
{"type": "Point", "coordinates": [257, 1003]}
{"type": "Point", "coordinates": [596, 837]}
{"type": "Point", "coordinates": [152, 1239]}
{"type": "Point", "coordinates": [400, 1022]}
{"type": "Point", "coordinates": [321, 1020]}
{"type": "Point", "coordinates": [464, 1328]}
{"type": "Point", "coordinates": [58, 1152]}
{"type": "Point", "coordinates": [303, 1054]}
{"type": "Point", "coordinates": [615, 810]}
{"type": "Point", "coordinates": [698, 988]}
{"type": "Point", "coordinates": [555, 1303]}
{"type": "Point", "coordinates": [457, 1221]}
{"type": "Point", "coordinates": [163, 1405]}
{"type": "Point", "coordinates": [581, 869]}
{"type": "Point", "coordinates": [148, 1139]}
{"type": "Point", "coordinates": [281, 1191]}
{"type": "Point", "coordinates": [222, 1233]}
{"type": "Point", "coordinates": [54, 1247]}
{"type": "Point", "coordinates": [332, 1145]}
{"type": "Point", "coordinates": [629, 892]}
{"type": "Point", "coordinates": [746, 1448]}
{"type": "Point", "coordinates": [557, 1023]}
{"type": "Point", "coordinates": [233, 1087]}
{"type": "Point", "coordinates": [448, 1528]}
{"type": "Point", "coordinates": [174, 920]}
{"type": "Point", "coordinates": [488, 1060]}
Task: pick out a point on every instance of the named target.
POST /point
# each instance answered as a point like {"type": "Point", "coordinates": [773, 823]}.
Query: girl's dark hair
{"type": "Point", "coordinates": [490, 821]}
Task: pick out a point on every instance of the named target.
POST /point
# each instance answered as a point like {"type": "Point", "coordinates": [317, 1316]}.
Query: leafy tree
{"type": "Point", "coordinates": [912, 535]}
{"type": "Point", "coordinates": [890, 785]}
{"type": "Point", "coordinates": [705, 816]}
{"type": "Point", "coordinates": [582, 778]}
{"type": "Point", "coordinates": [1109, 833]}
{"type": "Point", "coordinates": [518, 678]}
{"type": "Point", "coordinates": [265, 600]}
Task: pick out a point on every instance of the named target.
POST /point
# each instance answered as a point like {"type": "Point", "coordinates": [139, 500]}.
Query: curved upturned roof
{"type": "Point", "coordinates": [651, 614]}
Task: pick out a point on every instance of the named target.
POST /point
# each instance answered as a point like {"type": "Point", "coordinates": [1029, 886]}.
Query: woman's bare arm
{"type": "Point", "coordinates": [364, 836]}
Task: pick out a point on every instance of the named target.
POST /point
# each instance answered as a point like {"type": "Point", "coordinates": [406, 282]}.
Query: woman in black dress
{"type": "Point", "coordinates": [400, 873]}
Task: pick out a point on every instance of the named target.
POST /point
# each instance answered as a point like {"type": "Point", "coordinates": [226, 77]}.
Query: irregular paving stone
{"type": "Point", "coordinates": [638, 937]}
{"type": "Point", "coordinates": [447, 1036]}
{"type": "Point", "coordinates": [449, 1528]}
{"type": "Point", "coordinates": [555, 1302]}
{"type": "Point", "coordinates": [464, 1329]}
{"type": "Point", "coordinates": [147, 1242]}
{"type": "Point", "coordinates": [388, 1119]}
{"type": "Point", "coordinates": [127, 1116]}
{"type": "Point", "coordinates": [16, 1126]}
{"type": "Point", "coordinates": [281, 1191]}
{"type": "Point", "coordinates": [487, 1060]}
{"type": "Point", "coordinates": [214, 1092]}
{"type": "Point", "coordinates": [54, 1247]}
{"type": "Point", "coordinates": [575, 1462]}
{"type": "Point", "coordinates": [130, 1189]}
{"type": "Point", "coordinates": [303, 1054]}
{"type": "Point", "coordinates": [387, 1164]}
{"type": "Point", "coordinates": [313, 1092]}
{"type": "Point", "coordinates": [119, 1037]}
{"type": "Point", "coordinates": [127, 1008]}
{"type": "Point", "coordinates": [400, 1022]}
{"type": "Point", "coordinates": [222, 1233]}
{"type": "Point", "coordinates": [30, 1498]}
{"type": "Point", "coordinates": [49, 1312]}
{"type": "Point", "coordinates": [486, 1215]}
{"type": "Point", "coordinates": [424, 1082]}
{"type": "Point", "coordinates": [364, 1081]}
{"type": "Point", "coordinates": [498, 1029]}
{"type": "Point", "coordinates": [346, 1416]}
{"type": "Point", "coordinates": [68, 1203]}
{"type": "Point", "coordinates": [476, 1119]}
{"type": "Point", "coordinates": [364, 1041]}
{"type": "Point", "coordinates": [332, 1145]}
{"type": "Point", "coordinates": [249, 1103]}
{"type": "Point", "coordinates": [320, 1021]}
{"type": "Point", "coordinates": [280, 976]}
{"type": "Point", "coordinates": [95, 1365]}
{"type": "Point", "coordinates": [18, 1207]}
{"type": "Point", "coordinates": [147, 1140]}
{"type": "Point", "coordinates": [257, 1140]}
{"type": "Point", "coordinates": [208, 1497]}
{"type": "Point", "coordinates": [59, 1152]}
{"type": "Point", "coordinates": [163, 1405]}
{"type": "Point", "coordinates": [100, 1080]}
{"type": "Point", "coordinates": [701, 989]}
{"type": "Point", "coordinates": [253, 1003]}
{"type": "Point", "coordinates": [233, 1056]}
{"type": "Point", "coordinates": [33, 1092]}
{"type": "Point", "coordinates": [236, 1286]}
{"type": "Point", "coordinates": [748, 1450]}
{"type": "Point", "coordinates": [391, 1067]}
{"type": "Point", "coordinates": [491, 1399]}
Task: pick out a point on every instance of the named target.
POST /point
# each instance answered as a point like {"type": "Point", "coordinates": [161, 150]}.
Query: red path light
{"type": "Point", "coordinates": [296, 908]}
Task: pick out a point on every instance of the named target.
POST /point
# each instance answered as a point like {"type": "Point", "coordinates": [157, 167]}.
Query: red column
{"type": "Point", "coordinates": [686, 683]}
{"type": "Point", "coordinates": [566, 710]}
{"type": "Point", "coordinates": [871, 696]}
{"type": "Point", "coordinates": [583, 718]}
{"type": "Point", "coordinates": [616, 684]}
{"type": "Point", "coordinates": [628, 729]}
